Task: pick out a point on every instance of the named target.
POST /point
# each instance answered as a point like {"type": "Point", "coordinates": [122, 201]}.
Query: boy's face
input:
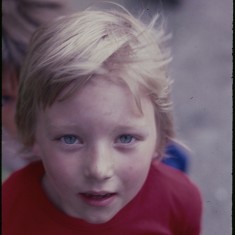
{"type": "Point", "coordinates": [97, 149]}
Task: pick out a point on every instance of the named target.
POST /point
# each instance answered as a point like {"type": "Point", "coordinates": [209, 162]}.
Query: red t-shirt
{"type": "Point", "coordinates": [168, 204]}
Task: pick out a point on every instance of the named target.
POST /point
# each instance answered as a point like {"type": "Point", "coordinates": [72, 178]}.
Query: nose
{"type": "Point", "coordinates": [99, 164]}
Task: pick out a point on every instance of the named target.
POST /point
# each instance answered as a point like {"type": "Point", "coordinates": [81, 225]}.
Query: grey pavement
{"type": "Point", "coordinates": [202, 70]}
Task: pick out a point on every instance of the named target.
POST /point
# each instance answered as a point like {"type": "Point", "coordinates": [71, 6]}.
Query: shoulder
{"type": "Point", "coordinates": [184, 197]}
{"type": "Point", "coordinates": [173, 178]}
{"type": "Point", "coordinates": [176, 184]}
{"type": "Point", "coordinates": [23, 176]}
{"type": "Point", "coordinates": [18, 184]}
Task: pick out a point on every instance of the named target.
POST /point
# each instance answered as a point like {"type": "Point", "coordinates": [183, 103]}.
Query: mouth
{"type": "Point", "coordinates": [98, 198]}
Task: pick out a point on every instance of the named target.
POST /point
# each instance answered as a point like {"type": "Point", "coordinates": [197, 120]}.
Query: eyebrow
{"type": "Point", "coordinates": [132, 128]}
{"type": "Point", "coordinates": [62, 127]}
{"type": "Point", "coordinates": [77, 127]}
{"type": "Point", "coordinates": [122, 126]}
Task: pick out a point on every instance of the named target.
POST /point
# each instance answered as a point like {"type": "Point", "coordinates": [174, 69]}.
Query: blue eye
{"type": "Point", "coordinates": [69, 139]}
{"type": "Point", "coordinates": [126, 139]}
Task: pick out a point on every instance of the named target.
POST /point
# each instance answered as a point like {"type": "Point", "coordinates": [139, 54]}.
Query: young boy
{"type": "Point", "coordinates": [94, 106]}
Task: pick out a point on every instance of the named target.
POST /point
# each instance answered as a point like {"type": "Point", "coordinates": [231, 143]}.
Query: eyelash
{"type": "Point", "coordinates": [124, 139]}
{"type": "Point", "coordinates": [76, 140]}
{"type": "Point", "coordinates": [129, 141]}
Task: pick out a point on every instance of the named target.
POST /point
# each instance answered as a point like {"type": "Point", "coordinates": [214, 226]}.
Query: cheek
{"type": "Point", "coordinates": [133, 180]}
{"type": "Point", "coordinates": [61, 168]}
{"type": "Point", "coordinates": [136, 164]}
{"type": "Point", "coordinates": [134, 176]}
{"type": "Point", "coordinates": [60, 174]}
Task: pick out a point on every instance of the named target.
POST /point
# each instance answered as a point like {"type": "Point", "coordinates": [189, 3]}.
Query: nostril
{"type": "Point", "coordinates": [99, 164]}
{"type": "Point", "coordinates": [101, 171]}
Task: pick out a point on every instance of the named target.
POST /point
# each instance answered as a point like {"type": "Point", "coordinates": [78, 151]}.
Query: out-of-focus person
{"type": "Point", "coordinates": [20, 18]}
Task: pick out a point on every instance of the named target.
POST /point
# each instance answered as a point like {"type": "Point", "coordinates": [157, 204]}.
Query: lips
{"type": "Point", "coordinates": [98, 198]}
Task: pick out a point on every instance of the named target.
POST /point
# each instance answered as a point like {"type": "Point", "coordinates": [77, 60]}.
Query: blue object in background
{"type": "Point", "coordinates": [177, 157]}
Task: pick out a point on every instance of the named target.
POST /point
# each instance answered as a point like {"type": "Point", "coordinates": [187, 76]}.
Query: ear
{"type": "Point", "coordinates": [156, 155]}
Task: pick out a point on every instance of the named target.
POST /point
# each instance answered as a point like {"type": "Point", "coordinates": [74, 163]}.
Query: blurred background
{"type": "Point", "coordinates": [201, 46]}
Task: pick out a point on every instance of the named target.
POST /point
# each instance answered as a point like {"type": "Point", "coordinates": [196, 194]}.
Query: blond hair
{"type": "Point", "coordinates": [69, 51]}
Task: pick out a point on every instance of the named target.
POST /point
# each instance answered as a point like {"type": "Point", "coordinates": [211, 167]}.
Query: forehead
{"type": "Point", "coordinates": [100, 99]}
{"type": "Point", "coordinates": [102, 84]}
{"type": "Point", "coordinates": [101, 90]}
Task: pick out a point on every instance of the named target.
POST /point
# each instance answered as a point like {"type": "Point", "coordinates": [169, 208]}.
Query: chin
{"type": "Point", "coordinates": [99, 219]}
